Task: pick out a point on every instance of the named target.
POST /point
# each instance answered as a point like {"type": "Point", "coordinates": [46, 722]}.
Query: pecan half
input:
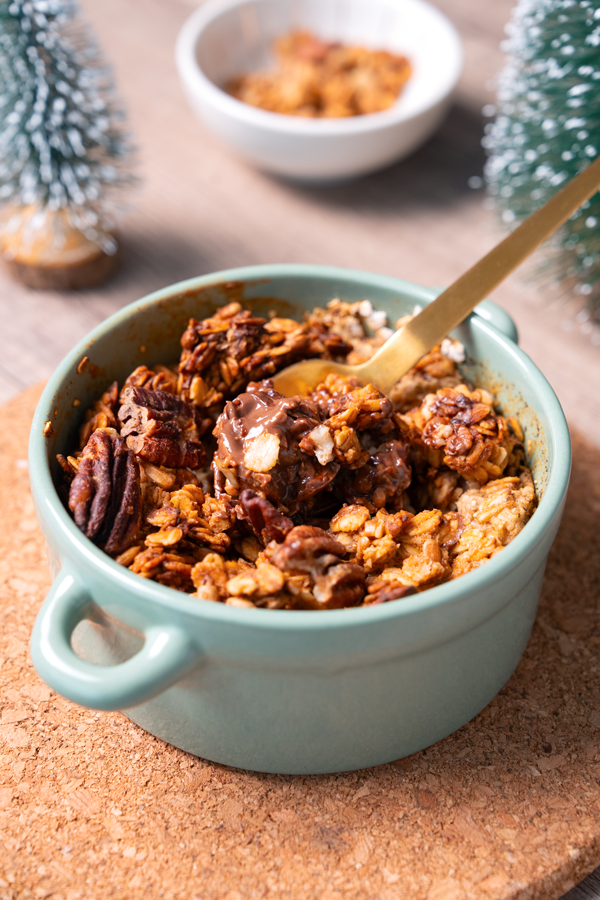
{"type": "Point", "coordinates": [308, 550]}
{"type": "Point", "coordinates": [266, 521]}
{"type": "Point", "coordinates": [160, 428]}
{"type": "Point", "coordinates": [105, 493]}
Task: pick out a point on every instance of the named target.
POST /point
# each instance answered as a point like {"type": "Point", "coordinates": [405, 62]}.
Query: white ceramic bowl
{"type": "Point", "coordinates": [225, 38]}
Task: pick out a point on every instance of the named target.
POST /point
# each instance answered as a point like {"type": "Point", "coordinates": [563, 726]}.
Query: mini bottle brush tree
{"type": "Point", "coordinates": [64, 158]}
{"type": "Point", "coordinates": [547, 128]}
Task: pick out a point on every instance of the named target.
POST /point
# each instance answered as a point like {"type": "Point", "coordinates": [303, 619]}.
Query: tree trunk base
{"type": "Point", "coordinates": [84, 274]}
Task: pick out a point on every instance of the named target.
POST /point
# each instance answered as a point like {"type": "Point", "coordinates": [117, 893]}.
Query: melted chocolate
{"type": "Point", "coordinates": [295, 477]}
{"type": "Point", "coordinates": [258, 410]}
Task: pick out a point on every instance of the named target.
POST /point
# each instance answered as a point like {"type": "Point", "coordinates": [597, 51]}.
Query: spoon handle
{"type": "Point", "coordinates": [438, 318]}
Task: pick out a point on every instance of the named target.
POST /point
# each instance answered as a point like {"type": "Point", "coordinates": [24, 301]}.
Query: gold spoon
{"type": "Point", "coordinates": [429, 327]}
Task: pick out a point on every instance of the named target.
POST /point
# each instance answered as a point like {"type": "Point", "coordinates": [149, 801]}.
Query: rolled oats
{"type": "Point", "coordinates": [342, 498]}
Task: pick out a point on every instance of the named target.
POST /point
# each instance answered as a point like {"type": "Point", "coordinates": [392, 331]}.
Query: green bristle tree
{"type": "Point", "coordinates": [547, 128]}
{"type": "Point", "coordinates": [63, 153]}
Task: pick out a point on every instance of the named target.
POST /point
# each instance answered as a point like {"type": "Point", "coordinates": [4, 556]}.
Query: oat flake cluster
{"type": "Point", "coordinates": [202, 477]}
{"type": "Point", "coordinates": [319, 79]}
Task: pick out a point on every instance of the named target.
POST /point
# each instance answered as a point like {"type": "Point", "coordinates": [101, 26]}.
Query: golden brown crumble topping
{"type": "Point", "coordinates": [318, 79]}
{"type": "Point", "coordinates": [342, 498]}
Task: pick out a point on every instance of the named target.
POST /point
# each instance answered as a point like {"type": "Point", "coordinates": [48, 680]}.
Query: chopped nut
{"type": "Point", "coordinates": [268, 523]}
{"type": "Point", "coordinates": [311, 551]}
{"type": "Point", "coordinates": [160, 428]}
{"type": "Point", "coordinates": [262, 453]}
{"type": "Point", "coordinates": [349, 518]}
{"type": "Point", "coordinates": [383, 593]}
{"type": "Point", "coordinates": [322, 443]}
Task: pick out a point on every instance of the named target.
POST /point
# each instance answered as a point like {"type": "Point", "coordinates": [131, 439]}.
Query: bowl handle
{"type": "Point", "coordinates": [499, 318]}
{"type": "Point", "coordinates": [168, 654]}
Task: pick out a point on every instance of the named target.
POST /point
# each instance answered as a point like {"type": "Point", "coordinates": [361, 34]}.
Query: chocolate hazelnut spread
{"type": "Point", "coordinates": [262, 409]}
{"type": "Point", "coordinates": [258, 437]}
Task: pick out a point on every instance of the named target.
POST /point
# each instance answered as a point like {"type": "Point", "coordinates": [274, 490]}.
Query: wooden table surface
{"type": "Point", "coordinates": [200, 209]}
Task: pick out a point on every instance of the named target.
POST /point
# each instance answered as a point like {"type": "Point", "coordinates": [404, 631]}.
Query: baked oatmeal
{"type": "Point", "coordinates": [319, 79]}
{"type": "Point", "coordinates": [202, 477]}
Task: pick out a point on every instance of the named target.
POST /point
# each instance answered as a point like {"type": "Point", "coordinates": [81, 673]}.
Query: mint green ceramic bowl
{"type": "Point", "coordinates": [278, 690]}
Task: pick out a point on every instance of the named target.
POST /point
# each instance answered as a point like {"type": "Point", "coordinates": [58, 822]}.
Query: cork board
{"type": "Point", "coordinates": [508, 807]}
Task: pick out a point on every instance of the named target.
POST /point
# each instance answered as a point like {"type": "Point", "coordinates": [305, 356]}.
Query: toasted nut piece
{"type": "Point", "coordinates": [322, 443]}
{"type": "Point", "coordinates": [243, 584]}
{"type": "Point", "coordinates": [270, 578]}
{"type": "Point", "coordinates": [262, 453]}
{"type": "Point", "coordinates": [346, 441]}
{"type": "Point", "coordinates": [237, 601]}
{"type": "Point", "coordinates": [349, 518]}
{"type": "Point", "coordinates": [207, 590]}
